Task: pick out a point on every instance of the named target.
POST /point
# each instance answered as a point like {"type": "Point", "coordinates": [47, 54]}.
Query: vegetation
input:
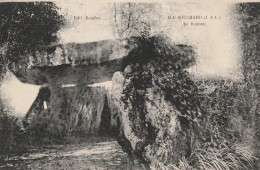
{"type": "Point", "coordinates": [27, 28]}
{"type": "Point", "coordinates": [24, 29]}
{"type": "Point", "coordinates": [220, 115]}
{"type": "Point", "coordinates": [12, 137]}
{"type": "Point", "coordinates": [223, 114]}
{"type": "Point", "coordinates": [219, 119]}
{"type": "Point", "coordinates": [208, 157]}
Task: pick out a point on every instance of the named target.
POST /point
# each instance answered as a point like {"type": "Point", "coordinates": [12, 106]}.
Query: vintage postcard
{"type": "Point", "coordinates": [130, 85]}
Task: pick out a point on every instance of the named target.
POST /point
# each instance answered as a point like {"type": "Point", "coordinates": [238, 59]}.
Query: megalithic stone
{"type": "Point", "coordinates": [85, 63]}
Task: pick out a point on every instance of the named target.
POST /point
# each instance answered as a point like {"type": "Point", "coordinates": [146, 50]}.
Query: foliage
{"type": "Point", "coordinates": [12, 133]}
{"type": "Point", "coordinates": [159, 50]}
{"type": "Point", "coordinates": [249, 27]}
{"type": "Point", "coordinates": [221, 157]}
{"type": "Point", "coordinates": [156, 60]}
{"type": "Point", "coordinates": [155, 63]}
{"type": "Point", "coordinates": [208, 157]}
{"type": "Point", "coordinates": [220, 112]}
{"type": "Point", "coordinates": [27, 27]}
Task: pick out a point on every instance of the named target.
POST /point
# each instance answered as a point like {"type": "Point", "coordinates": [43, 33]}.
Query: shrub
{"type": "Point", "coordinates": [210, 157]}
{"type": "Point", "coordinates": [12, 133]}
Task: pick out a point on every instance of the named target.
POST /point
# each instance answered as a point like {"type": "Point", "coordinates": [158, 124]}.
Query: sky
{"type": "Point", "coordinates": [82, 30]}
{"type": "Point", "coordinates": [217, 43]}
{"type": "Point", "coordinates": [18, 96]}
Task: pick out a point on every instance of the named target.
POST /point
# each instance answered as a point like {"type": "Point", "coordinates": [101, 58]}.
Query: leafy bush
{"type": "Point", "coordinates": [221, 157]}
{"type": "Point", "coordinates": [219, 112]}
{"type": "Point", "coordinates": [155, 73]}
{"type": "Point", "coordinates": [12, 133]}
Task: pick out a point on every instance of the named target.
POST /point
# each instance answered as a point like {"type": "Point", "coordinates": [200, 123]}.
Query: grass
{"type": "Point", "coordinates": [208, 157]}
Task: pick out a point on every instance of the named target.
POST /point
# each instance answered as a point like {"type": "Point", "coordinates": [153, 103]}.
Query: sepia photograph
{"type": "Point", "coordinates": [129, 85]}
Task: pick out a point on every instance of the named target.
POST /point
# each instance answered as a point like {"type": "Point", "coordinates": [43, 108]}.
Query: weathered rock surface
{"type": "Point", "coordinates": [149, 99]}
{"type": "Point", "coordinates": [156, 135]}
{"type": "Point", "coordinates": [68, 74]}
{"type": "Point", "coordinates": [86, 63]}
{"type": "Point", "coordinates": [150, 105]}
{"type": "Point", "coordinates": [71, 111]}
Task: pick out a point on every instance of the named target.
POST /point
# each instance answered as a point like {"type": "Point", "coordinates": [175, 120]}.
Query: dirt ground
{"type": "Point", "coordinates": [101, 155]}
